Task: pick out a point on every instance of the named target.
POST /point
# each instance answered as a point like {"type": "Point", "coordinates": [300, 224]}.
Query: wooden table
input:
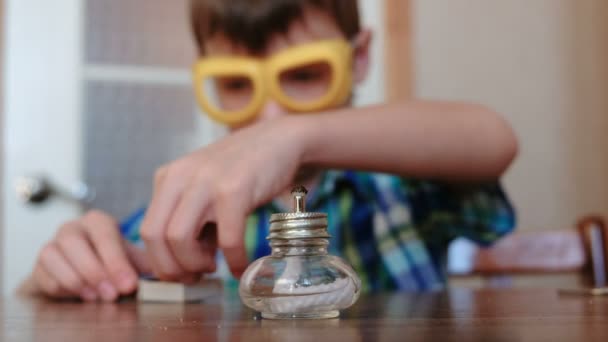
{"type": "Point", "coordinates": [457, 315]}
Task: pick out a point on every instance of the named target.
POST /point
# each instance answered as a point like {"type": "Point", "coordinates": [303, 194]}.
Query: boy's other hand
{"type": "Point", "coordinates": [88, 259]}
{"type": "Point", "coordinates": [220, 183]}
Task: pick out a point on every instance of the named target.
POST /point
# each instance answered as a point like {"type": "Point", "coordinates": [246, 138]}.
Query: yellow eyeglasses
{"type": "Point", "coordinates": [305, 78]}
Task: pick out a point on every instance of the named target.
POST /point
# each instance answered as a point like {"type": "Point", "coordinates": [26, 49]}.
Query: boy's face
{"type": "Point", "coordinates": [305, 82]}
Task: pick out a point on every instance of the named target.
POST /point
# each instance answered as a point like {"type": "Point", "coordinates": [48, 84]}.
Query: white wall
{"type": "Point", "coordinates": [543, 64]}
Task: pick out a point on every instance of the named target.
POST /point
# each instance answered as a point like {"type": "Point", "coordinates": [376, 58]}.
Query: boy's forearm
{"type": "Point", "coordinates": [439, 140]}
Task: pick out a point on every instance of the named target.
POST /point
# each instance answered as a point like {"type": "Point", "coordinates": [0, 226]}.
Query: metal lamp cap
{"type": "Point", "coordinates": [298, 224]}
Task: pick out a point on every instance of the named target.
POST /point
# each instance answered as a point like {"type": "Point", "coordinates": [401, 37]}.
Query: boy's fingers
{"type": "Point", "coordinates": [48, 285]}
{"type": "Point", "coordinates": [190, 278]}
{"type": "Point", "coordinates": [208, 240]}
{"type": "Point", "coordinates": [185, 227]}
{"type": "Point", "coordinates": [153, 229]}
{"type": "Point", "coordinates": [231, 227]}
{"type": "Point", "coordinates": [138, 258]}
{"type": "Point", "coordinates": [107, 241]}
{"type": "Point", "coordinates": [55, 264]}
{"type": "Point", "coordinates": [74, 245]}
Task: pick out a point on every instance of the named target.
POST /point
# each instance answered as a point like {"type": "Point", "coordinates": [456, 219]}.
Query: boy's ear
{"type": "Point", "coordinates": [361, 44]}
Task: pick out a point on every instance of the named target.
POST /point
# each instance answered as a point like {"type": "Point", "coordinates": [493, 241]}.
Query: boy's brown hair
{"type": "Point", "coordinates": [253, 22]}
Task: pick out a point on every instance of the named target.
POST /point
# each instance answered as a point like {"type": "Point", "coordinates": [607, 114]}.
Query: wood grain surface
{"type": "Point", "coordinates": [455, 315]}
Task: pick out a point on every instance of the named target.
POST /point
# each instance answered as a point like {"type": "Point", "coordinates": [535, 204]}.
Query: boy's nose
{"type": "Point", "coordinates": [272, 110]}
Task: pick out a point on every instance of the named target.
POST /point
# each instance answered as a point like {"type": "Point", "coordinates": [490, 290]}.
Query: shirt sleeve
{"type": "Point", "coordinates": [479, 212]}
{"type": "Point", "coordinates": [129, 227]}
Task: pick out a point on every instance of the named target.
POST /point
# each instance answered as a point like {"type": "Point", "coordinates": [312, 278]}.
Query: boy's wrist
{"type": "Point", "coordinates": [303, 130]}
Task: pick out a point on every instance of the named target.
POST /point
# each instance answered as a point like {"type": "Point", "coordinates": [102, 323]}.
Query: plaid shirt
{"type": "Point", "coordinates": [393, 231]}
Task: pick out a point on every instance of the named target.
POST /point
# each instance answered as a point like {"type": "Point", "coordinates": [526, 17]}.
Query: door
{"type": "Point", "coordinates": [41, 127]}
{"type": "Point", "coordinates": [96, 92]}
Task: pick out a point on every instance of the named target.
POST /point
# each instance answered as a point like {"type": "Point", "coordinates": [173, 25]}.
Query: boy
{"type": "Point", "coordinates": [262, 61]}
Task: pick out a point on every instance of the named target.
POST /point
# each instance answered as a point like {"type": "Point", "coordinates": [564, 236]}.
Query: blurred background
{"type": "Point", "coordinates": [96, 94]}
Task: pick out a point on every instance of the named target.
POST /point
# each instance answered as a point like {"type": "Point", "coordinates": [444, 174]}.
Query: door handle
{"type": "Point", "coordinates": [36, 190]}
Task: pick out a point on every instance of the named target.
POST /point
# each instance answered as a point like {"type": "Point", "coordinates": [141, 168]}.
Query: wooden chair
{"type": "Point", "coordinates": [557, 258]}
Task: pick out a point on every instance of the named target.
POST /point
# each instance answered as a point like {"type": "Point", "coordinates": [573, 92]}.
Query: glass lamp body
{"type": "Point", "coordinates": [299, 279]}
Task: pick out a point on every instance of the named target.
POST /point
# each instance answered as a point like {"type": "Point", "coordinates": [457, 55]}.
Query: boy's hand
{"type": "Point", "coordinates": [89, 259]}
{"type": "Point", "coordinates": [220, 183]}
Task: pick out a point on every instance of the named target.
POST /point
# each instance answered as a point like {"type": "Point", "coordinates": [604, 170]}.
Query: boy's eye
{"type": "Point", "coordinates": [234, 83]}
{"type": "Point", "coordinates": [307, 74]}
{"type": "Point", "coordinates": [304, 75]}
